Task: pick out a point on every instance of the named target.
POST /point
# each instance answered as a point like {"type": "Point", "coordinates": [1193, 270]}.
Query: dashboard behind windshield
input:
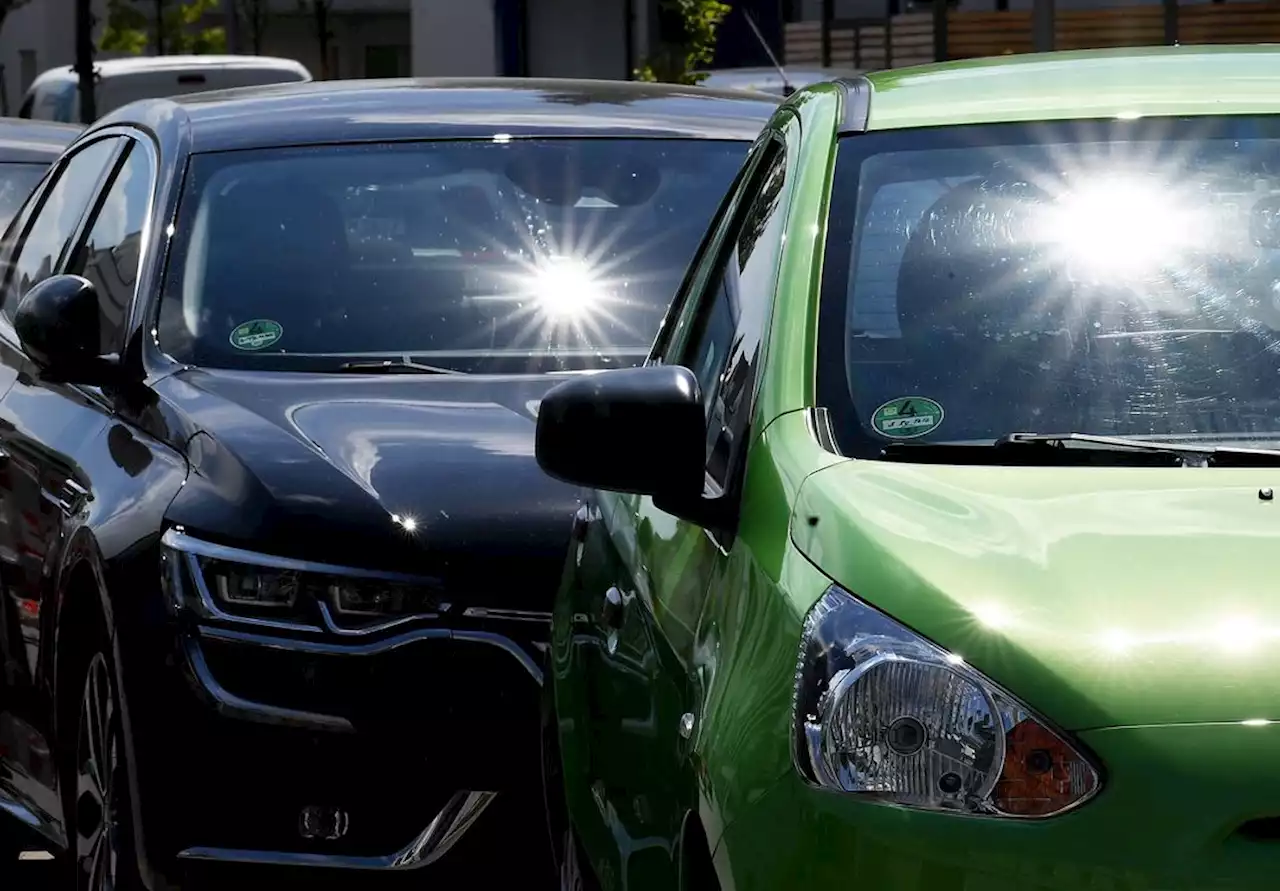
{"type": "Point", "coordinates": [1119, 278]}
{"type": "Point", "coordinates": [498, 256]}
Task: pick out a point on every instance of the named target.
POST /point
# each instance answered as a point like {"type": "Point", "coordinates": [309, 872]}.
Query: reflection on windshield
{"type": "Point", "coordinates": [481, 256]}
{"type": "Point", "coordinates": [1119, 279]}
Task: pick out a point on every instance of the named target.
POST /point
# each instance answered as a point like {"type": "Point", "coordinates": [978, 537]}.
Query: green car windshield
{"type": "Point", "coordinates": [1116, 278]}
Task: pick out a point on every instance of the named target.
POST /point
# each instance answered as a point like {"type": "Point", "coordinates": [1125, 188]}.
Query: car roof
{"type": "Point", "coordinates": [1076, 85]}
{"type": "Point", "coordinates": [33, 142]}
{"type": "Point", "coordinates": [323, 112]}
{"type": "Point", "coordinates": [140, 64]}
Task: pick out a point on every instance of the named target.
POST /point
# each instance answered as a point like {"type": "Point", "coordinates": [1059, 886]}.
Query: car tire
{"type": "Point", "coordinates": [571, 867]}
{"type": "Point", "coordinates": [96, 789]}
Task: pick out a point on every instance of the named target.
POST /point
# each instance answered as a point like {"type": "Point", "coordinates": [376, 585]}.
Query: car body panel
{"type": "Point", "coordinates": [1126, 83]}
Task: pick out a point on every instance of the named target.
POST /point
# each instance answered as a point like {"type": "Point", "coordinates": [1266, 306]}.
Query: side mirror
{"type": "Point", "coordinates": [58, 326]}
{"type": "Point", "coordinates": [636, 430]}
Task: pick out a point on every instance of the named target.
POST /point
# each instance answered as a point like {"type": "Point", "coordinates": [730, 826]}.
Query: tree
{"type": "Point", "coordinates": [254, 15]}
{"type": "Point", "coordinates": [171, 26]}
{"type": "Point", "coordinates": [319, 11]}
{"type": "Point", "coordinates": [692, 44]}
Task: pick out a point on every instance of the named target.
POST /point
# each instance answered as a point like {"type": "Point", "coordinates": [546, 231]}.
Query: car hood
{"type": "Point", "coordinates": [1100, 596]}
{"type": "Point", "coordinates": [434, 476]}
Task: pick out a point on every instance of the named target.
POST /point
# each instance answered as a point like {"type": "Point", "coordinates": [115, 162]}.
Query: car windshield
{"type": "Point", "coordinates": [496, 256]}
{"type": "Point", "coordinates": [16, 183]}
{"type": "Point", "coordinates": [1113, 278]}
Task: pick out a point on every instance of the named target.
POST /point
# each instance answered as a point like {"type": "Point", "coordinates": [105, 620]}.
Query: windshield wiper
{"type": "Point", "coordinates": [1080, 449]}
{"type": "Point", "coordinates": [394, 366]}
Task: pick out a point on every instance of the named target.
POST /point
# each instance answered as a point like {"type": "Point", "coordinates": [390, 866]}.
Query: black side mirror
{"type": "Point", "coordinates": [57, 324]}
{"type": "Point", "coordinates": [636, 430]}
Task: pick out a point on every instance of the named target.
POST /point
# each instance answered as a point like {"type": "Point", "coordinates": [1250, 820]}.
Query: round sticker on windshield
{"type": "Point", "coordinates": [256, 335]}
{"type": "Point", "coordinates": [907, 417]}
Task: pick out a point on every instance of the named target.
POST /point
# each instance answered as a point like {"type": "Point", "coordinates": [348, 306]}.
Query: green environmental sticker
{"type": "Point", "coordinates": [907, 417]}
{"type": "Point", "coordinates": [256, 335]}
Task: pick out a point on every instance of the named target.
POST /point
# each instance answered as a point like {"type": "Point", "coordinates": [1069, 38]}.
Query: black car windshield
{"type": "Point", "coordinates": [495, 256]}
{"type": "Point", "coordinates": [1116, 278]}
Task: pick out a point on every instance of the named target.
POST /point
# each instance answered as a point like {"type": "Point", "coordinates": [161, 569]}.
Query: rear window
{"type": "Point", "coordinates": [502, 256]}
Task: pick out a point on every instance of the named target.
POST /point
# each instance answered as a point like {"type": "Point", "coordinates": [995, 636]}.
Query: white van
{"type": "Point", "coordinates": [55, 94]}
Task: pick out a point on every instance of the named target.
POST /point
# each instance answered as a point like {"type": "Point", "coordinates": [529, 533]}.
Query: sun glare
{"type": "Point", "coordinates": [1119, 226]}
{"type": "Point", "coordinates": [566, 289]}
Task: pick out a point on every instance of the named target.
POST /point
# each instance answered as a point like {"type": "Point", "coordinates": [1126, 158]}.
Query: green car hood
{"type": "Point", "coordinates": [1100, 596]}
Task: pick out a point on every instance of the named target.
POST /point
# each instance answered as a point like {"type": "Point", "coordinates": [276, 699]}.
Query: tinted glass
{"type": "Point", "coordinates": [54, 223]}
{"type": "Point", "coordinates": [1119, 279]}
{"type": "Point", "coordinates": [16, 183]}
{"type": "Point", "coordinates": [496, 256]}
{"type": "Point", "coordinates": [109, 256]}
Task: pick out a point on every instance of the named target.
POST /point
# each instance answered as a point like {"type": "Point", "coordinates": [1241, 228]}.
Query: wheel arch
{"type": "Point", "coordinates": [83, 606]}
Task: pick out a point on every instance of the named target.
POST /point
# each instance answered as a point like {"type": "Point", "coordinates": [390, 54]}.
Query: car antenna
{"type": "Point", "coordinates": [787, 88]}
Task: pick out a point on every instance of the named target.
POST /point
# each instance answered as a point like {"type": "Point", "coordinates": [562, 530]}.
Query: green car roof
{"type": "Point", "coordinates": [1129, 82]}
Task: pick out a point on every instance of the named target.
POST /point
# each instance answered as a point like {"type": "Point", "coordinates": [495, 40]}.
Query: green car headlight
{"type": "Point", "coordinates": [883, 713]}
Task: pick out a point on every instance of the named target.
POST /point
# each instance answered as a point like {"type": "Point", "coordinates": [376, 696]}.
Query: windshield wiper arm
{"type": "Point", "coordinates": [1055, 448]}
{"type": "Point", "coordinates": [394, 366]}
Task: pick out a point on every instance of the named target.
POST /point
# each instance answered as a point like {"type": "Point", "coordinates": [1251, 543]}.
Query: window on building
{"type": "Point", "coordinates": [387, 61]}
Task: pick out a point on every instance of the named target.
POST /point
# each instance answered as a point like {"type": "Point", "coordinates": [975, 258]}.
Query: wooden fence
{"type": "Point", "coordinates": [863, 44]}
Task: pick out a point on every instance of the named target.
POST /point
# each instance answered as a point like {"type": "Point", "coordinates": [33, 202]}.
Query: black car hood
{"type": "Point", "coordinates": [431, 475]}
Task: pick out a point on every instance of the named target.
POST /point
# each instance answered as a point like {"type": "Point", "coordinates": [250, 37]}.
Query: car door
{"type": "Point", "coordinates": [642, 574]}
{"type": "Point", "coordinates": [53, 434]}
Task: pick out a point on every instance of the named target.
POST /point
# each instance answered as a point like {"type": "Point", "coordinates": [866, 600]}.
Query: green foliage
{"type": "Point", "coordinates": [132, 28]}
{"type": "Point", "coordinates": [677, 62]}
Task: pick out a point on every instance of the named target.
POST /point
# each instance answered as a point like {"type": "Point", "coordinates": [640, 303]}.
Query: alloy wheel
{"type": "Point", "coordinates": [97, 754]}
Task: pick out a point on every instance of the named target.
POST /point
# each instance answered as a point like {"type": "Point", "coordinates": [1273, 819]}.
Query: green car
{"type": "Point", "coordinates": [928, 551]}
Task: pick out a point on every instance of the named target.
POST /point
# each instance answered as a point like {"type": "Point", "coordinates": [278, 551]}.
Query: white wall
{"type": "Point", "coordinates": [454, 38]}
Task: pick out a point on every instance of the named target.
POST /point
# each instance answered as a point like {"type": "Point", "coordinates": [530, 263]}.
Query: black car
{"type": "Point", "coordinates": [27, 148]}
{"type": "Point", "coordinates": [277, 558]}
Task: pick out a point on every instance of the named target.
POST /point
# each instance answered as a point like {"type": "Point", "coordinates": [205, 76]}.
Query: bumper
{"type": "Point", "coordinates": [1184, 808]}
{"type": "Point", "coordinates": [410, 734]}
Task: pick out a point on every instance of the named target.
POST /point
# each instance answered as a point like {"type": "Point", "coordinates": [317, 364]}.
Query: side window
{"type": "Point", "coordinates": [725, 342]}
{"type": "Point", "coordinates": [109, 255]}
{"type": "Point", "coordinates": [55, 221]}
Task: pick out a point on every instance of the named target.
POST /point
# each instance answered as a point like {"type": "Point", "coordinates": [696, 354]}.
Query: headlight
{"type": "Point", "coordinates": [226, 583]}
{"type": "Point", "coordinates": [881, 712]}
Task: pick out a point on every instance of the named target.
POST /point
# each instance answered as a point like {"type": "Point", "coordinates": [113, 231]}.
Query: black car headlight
{"type": "Point", "coordinates": [883, 713]}
{"type": "Point", "coordinates": [219, 582]}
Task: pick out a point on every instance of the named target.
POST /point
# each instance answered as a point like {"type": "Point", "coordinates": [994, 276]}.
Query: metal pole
{"type": "Point", "coordinates": [84, 61]}
{"type": "Point", "coordinates": [828, 13]}
{"type": "Point", "coordinates": [940, 10]}
{"type": "Point", "coordinates": [232, 28]}
{"type": "Point", "coordinates": [1042, 26]}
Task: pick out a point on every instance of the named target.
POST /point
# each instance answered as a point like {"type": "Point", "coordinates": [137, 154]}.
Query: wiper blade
{"type": "Point", "coordinates": [394, 366]}
{"type": "Point", "coordinates": [1056, 449]}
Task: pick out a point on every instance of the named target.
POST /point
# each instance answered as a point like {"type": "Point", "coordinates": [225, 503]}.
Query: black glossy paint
{"type": "Point", "coordinates": [313, 467]}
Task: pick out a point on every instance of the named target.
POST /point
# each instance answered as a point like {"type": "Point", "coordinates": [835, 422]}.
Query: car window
{"type": "Point", "coordinates": [54, 222]}
{"type": "Point", "coordinates": [1119, 279]}
{"type": "Point", "coordinates": [520, 256]}
{"type": "Point", "coordinates": [725, 342]}
{"type": "Point", "coordinates": [109, 255]}
{"type": "Point", "coordinates": [16, 183]}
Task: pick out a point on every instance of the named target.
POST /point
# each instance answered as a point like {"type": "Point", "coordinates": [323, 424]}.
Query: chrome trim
{"type": "Point", "coordinates": [233, 706]}
{"type": "Point", "coordinates": [180, 541]}
{"type": "Point", "coordinates": [194, 547]}
{"type": "Point", "coordinates": [375, 647]}
{"type": "Point", "coordinates": [454, 820]}
{"type": "Point", "coordinates": [512, 615]}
